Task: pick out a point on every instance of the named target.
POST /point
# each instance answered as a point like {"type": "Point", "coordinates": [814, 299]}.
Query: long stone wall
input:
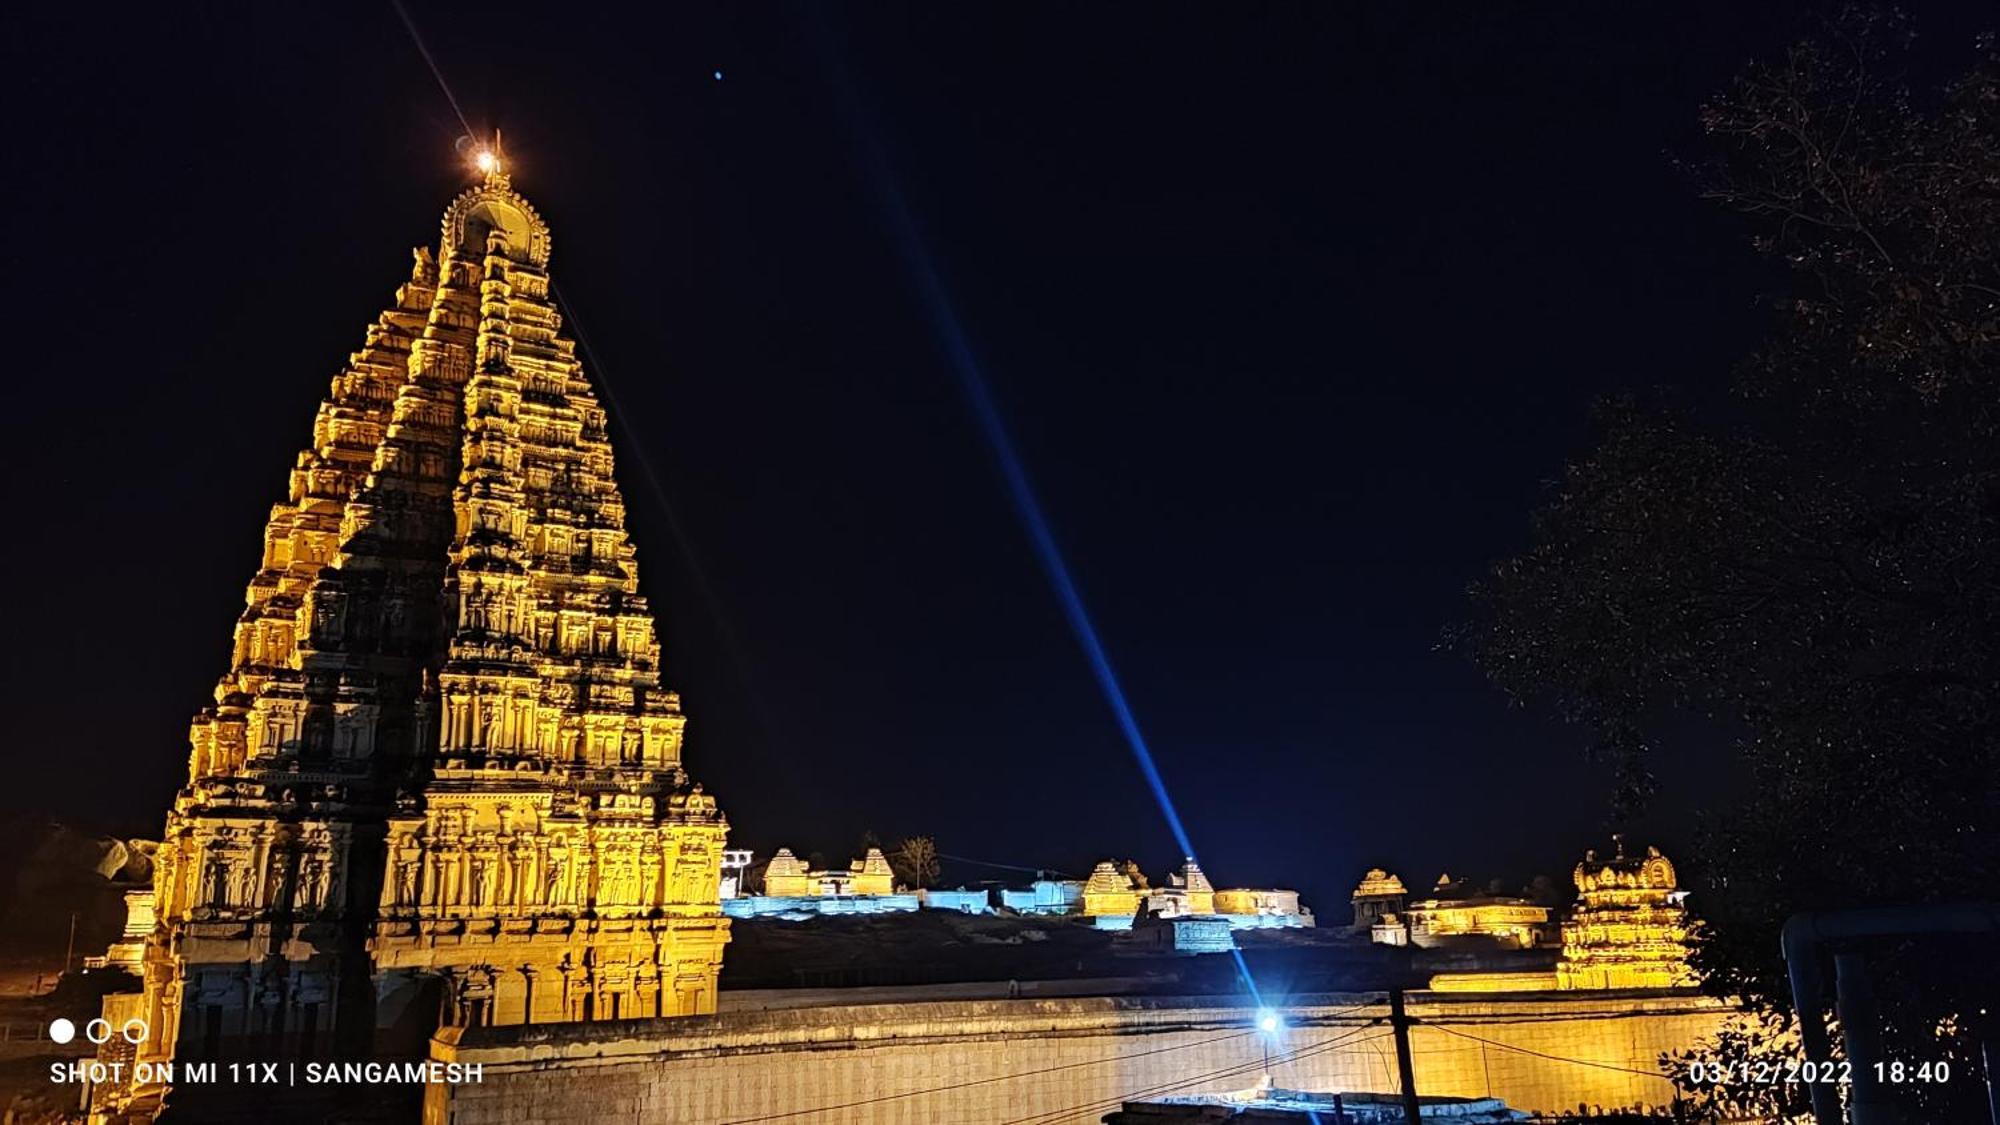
{"type": "Point", "coordinates": [980, 1062]}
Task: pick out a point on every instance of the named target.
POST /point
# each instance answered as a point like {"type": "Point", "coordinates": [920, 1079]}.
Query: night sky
{"type": "Point", "coordinates": [1292, 312]}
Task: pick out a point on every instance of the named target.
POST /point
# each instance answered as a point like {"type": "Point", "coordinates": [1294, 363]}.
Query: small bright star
{"type": "Point", "coordinates": [718, 76]}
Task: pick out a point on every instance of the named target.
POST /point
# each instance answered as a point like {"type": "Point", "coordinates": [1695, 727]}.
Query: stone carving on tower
{"type": "Point", "coordinates": [441, 780]}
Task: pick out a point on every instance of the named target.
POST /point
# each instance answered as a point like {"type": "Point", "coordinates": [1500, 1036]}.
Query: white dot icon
{"type": "Point", "coordinates": [61, 1030]}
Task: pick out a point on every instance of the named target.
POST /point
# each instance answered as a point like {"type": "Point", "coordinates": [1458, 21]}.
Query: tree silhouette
{"type": "Point", "coordinates": [1815, 568]}
{"type": "Point", "coordinates": [915, 861]}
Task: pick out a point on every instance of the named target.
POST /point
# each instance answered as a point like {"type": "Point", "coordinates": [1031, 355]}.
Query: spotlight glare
{"type": "Point", "coordinates": [1268, 1021]}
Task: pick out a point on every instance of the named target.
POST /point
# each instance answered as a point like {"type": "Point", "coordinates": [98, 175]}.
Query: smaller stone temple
{"type": "Point", "coordinates": [869, 875]}
{"type": "Point", "coordinates": [1629, 928]}
{"type": "Point", "coordinates": [1380, 897]}
{"type": "Point", "coordinates": [1187, 892]}
{"type": "Point", "coordinates": [1109, 892]}
{"type": "Point", "coordinates": [787, 876]}
{"type": "Point", "coordinates": [1455, 915]}
{"type": "Point", "coordinates": [1113, 896]}
{"type": "Point", "coordinates": [793, 890]}
{"type": "Point", "coordinates": [1455, 911]}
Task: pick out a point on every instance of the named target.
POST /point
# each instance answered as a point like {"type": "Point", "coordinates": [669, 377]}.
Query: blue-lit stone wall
{"type": "Point", "coordinates": [799, 907]}
{"type": "Point", "coordinates": [961, 900]}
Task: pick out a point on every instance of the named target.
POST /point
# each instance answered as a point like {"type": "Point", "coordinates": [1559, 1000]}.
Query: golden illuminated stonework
{"type": "Point", "coordinates": [441, 781]}
{"type": "Point", "coordinates": [1110, 892]}
{"type": "Point", "coordinates": [1197, 893]}
{"type": "Point", "coordinates": [787, 876]}
{"type": "Point", "coordinates": [1453, 914]}
{"type": "Point", "coordinates": [870, 875]}
{"type": "Point", "coordinates": [1629, 927]}
{"type": "Point", "coordinates": [1378, 900]}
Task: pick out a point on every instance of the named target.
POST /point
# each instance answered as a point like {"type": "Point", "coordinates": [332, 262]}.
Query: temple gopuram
{"type": "Point", "coordinates": [1629, 927]}
{"type": "Point", "coordinates": [441, 781]}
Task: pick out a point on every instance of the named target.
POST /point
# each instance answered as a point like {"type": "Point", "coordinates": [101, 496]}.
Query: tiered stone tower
{"type": "Point", "coordinates": [441, 781]}
{"type": "Point", "coordinates": [1629, 927]}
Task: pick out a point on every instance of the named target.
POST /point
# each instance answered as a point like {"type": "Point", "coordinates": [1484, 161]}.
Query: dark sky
{"type": "Point", "coordinates": [1292, 310]}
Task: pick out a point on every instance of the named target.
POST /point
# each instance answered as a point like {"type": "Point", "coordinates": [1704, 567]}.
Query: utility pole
{"type": "Point", "coordinates": [69, 950]}
{"type": "Point", "coordinates": [1399, 1021]}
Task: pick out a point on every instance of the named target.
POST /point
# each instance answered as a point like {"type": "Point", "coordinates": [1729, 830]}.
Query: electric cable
{"type": "Point", "coordinates": [1050, 1117]}
{"type": "Point", "coordinates": [1001, 866]}
{"type": "Point", "coordinates": [983, 1081]}
{"type": "Point", "coordinates": [1544, 1055]}
{"type": "Point", "coordinates": [1300, 1053]}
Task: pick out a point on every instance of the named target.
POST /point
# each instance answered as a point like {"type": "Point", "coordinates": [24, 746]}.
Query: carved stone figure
{"type": "Point", "coordinates": [408, 857]}
{"type": "Point", "coordinates": [215, 880]}
{"type": "Point", "coordinates": [315, 872]}
{"type": "Point", "coordinates": [482, 873]}
{"type": "Point", "coordinates": [555, 888]}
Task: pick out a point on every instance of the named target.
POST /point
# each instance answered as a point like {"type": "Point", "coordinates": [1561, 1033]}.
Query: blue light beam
{"type": "Point", "coordinates": [951, 334]}
{"type": "Point", "coordinates": [958, 350]}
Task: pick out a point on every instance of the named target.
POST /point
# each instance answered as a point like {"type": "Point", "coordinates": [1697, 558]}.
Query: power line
{"type": "Point", "coordinates": [1049, 1117]}
{"type": "Point", "coordinates": [1543, 1055]}
{"type": "Point", "coordinates": [1336, 1014]}
{"type": "Point", "coordinates": [1300, 1053]}
{"type": "Point", "coordinates": [1102, 1104]}
{"type": "Point", "coordinates": [984, 1081]}
{"type": "Point", "coordinates": [999, 866]}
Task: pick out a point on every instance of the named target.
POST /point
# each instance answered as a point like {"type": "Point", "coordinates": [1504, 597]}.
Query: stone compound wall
{"type": "Point", "coordinates": [978, 1062]}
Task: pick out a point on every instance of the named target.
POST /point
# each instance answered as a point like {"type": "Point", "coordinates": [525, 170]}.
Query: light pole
{"type": "Point", "coordinates": [1269, 1026]}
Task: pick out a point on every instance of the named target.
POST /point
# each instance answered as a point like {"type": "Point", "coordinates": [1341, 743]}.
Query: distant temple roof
{"type": "Point", "coordinates": [1191, 877]}
{"type": "Point", "coordinates": [1107, 879]}
{"type": "Point", "coordinates": [874, 863]}
{"type": "Point", "coordinates": [785, 863]}
{"type": "Point", "coordinates": [1379, 882]}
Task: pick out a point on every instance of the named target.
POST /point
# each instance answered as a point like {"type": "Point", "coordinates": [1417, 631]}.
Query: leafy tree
{"type": "Point", "coordinates": [915, 862]}
{"type": "Point", "coordinates": [1815, 568]}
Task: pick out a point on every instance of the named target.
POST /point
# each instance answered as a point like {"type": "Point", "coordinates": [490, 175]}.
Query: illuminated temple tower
{"type": "Point", "coordinates": [441, 782]}
{"type": "Point", "coordinates": [1629, 927]}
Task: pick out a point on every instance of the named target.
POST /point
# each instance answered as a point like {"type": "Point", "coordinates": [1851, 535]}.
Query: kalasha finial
{"type": "Point", "coordinates": [491, 161]}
